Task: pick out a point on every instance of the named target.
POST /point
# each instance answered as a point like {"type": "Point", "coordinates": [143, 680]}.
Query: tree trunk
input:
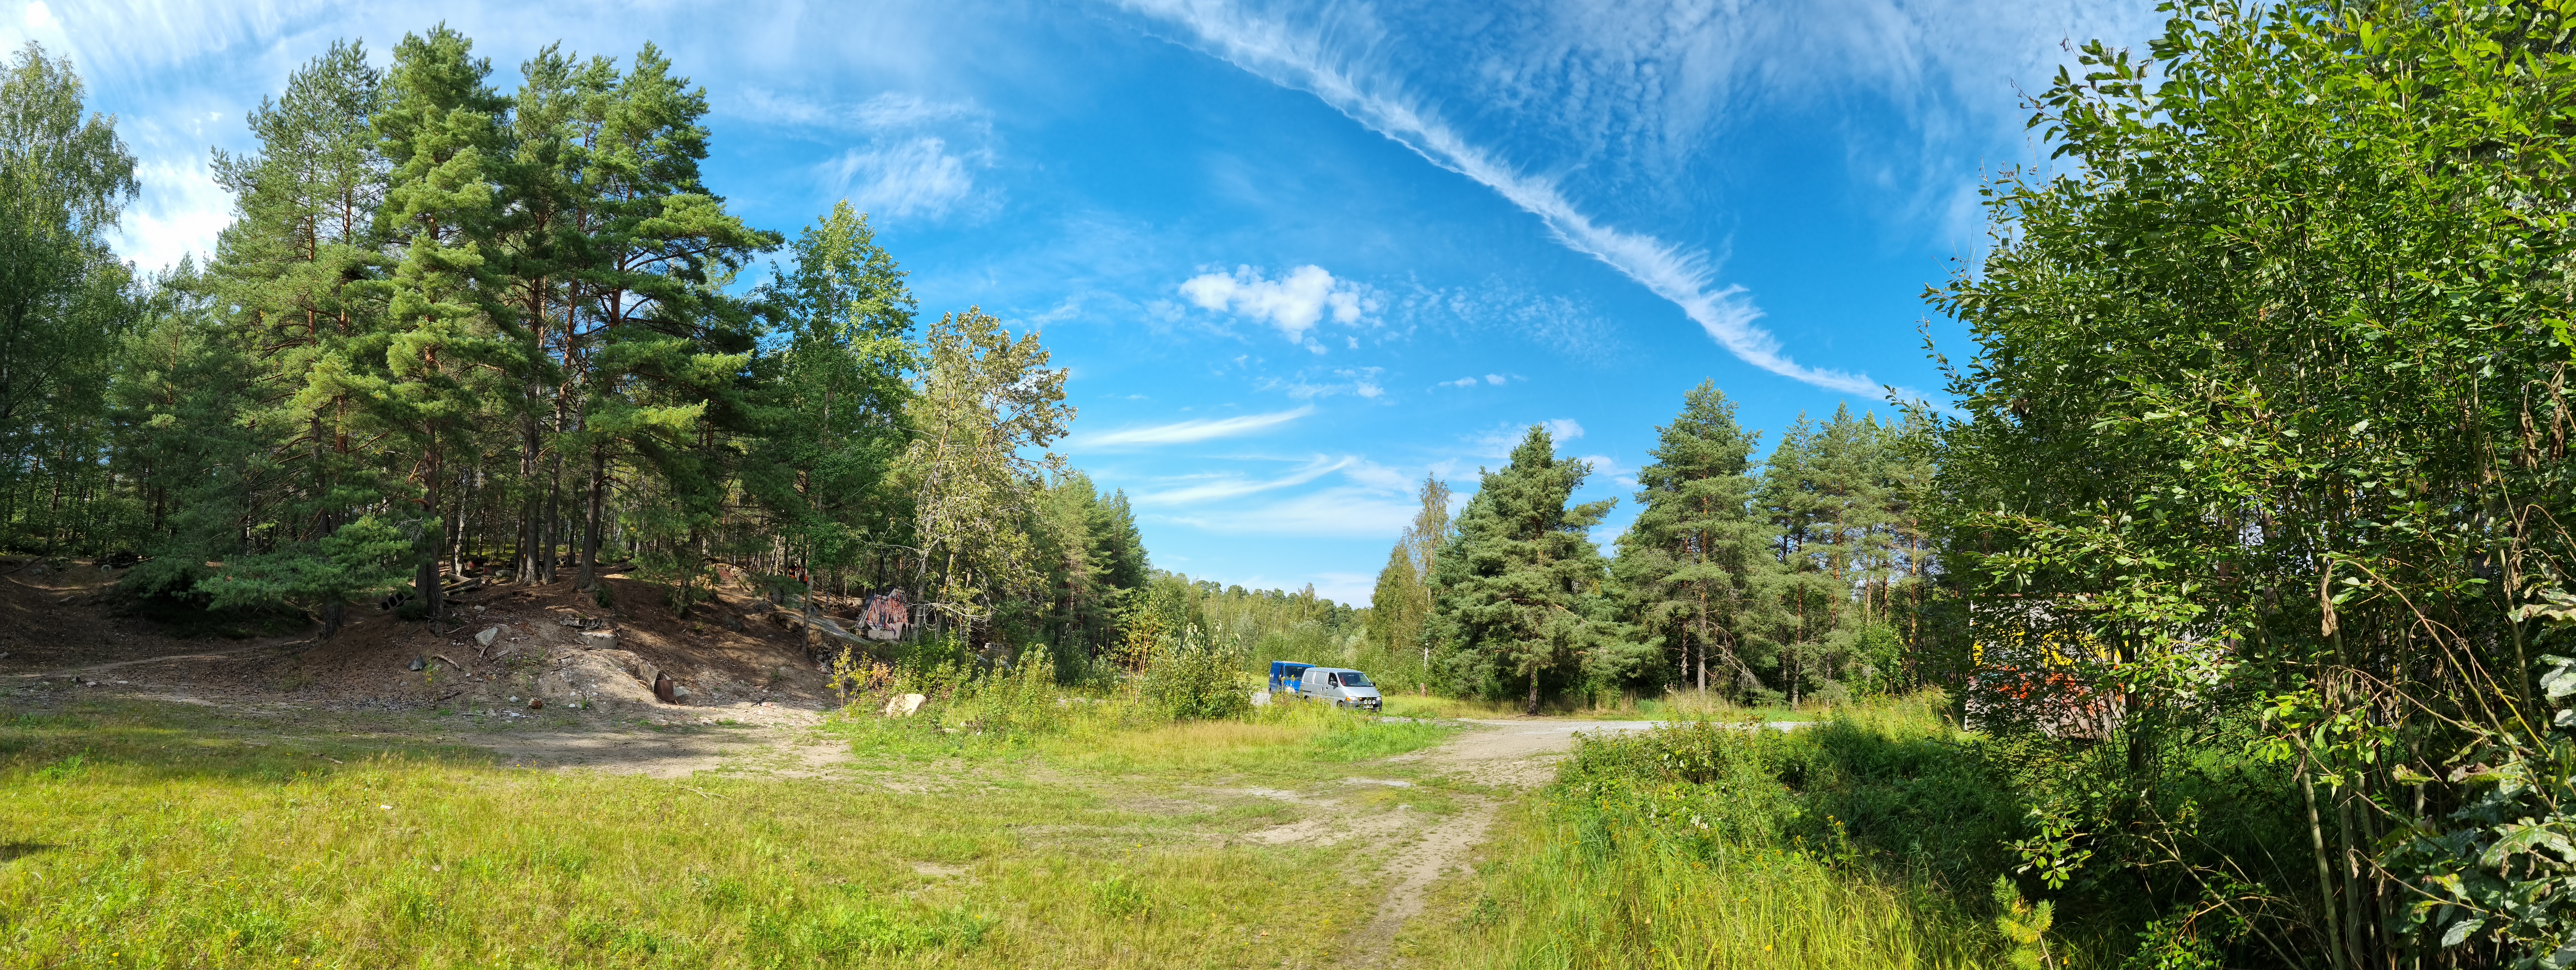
{"type": "Point", "coordinates": [2325, 871]}
{"type": "Point", "coordinates": [1533, 694]}
{"type": "Point", "coordinates": [531, 512]}
{"type": "Point", "coordinates": [590, 529]}
{"type": "Point", "coordinates": [425, 581]}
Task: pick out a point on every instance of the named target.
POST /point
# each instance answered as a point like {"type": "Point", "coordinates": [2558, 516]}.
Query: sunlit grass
{"type": "Point", "coordinates": [1673, 706]}
{"type": "Point", "coordinates": [1620, 866]}
{"type": "Point", "coordinates": [135, 840]}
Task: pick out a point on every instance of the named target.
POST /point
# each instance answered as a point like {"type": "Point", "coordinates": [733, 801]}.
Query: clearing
{"type": "Point", "coordinates": [282, 799]}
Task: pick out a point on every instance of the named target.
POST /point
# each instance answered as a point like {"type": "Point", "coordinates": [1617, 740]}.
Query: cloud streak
{"type": "Point", "coordinates": [1236, 487]}
{"type": "Point", "coordinates": [1274, 51]}
{"type": "Point", "coordinates": [1186, 432]}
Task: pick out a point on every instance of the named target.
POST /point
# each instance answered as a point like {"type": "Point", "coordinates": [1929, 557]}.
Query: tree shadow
{"type": "Point", "coordinates": [14, 851]}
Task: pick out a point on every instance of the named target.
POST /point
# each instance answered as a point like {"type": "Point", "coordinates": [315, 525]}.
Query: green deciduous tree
{"type": "Point", "coordinates": [2264, 435]}
{"type": "Point", "coordinates": [985, 401]}
{"type": "Point", "coordinates": [64, 298]}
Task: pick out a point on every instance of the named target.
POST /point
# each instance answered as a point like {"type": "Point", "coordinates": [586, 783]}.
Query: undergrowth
{"type": "Point", "coordinates": [1712, 844]}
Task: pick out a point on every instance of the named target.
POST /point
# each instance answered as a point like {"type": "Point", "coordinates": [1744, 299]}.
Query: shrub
{"type": "Point", "coordinates": [1195, 684]}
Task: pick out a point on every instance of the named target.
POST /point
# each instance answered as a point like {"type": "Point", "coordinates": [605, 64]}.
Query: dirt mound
{"type": "Point", "coordinates": [57, 627]}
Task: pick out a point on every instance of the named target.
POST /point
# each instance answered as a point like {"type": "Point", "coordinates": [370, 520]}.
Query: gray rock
{"type": "Point", "coordinates": [419, 664]}
{"type": "Point", "coordinates": [598, 639]}
{"type": "Point", "coordinates": [488, 635]}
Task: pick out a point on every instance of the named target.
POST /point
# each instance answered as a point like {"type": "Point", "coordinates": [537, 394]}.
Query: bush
{"type": "Point", "coordinates": [1195, 685]}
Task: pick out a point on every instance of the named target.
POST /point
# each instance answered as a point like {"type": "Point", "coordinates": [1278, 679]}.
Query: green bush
{"type": "Point", "coordinates": [1195, 684]}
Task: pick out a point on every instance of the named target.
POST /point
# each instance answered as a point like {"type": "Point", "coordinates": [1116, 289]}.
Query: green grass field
{"type": "Point", "coordinates": [145, 837]}
{"type": "Point", "coordinates": [166, 836]}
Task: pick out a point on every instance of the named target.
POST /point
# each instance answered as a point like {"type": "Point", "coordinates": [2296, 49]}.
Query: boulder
{"type": "Point", "coordinates": [598, 639]}
{"type": "Point", "coordinates": [489, 634]}
{"type": "Point", "coordinates": [903, 705]}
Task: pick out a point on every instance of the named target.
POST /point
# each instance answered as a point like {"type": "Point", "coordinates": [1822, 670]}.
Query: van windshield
{"type": "Point", "coordinates": [1354, 679]}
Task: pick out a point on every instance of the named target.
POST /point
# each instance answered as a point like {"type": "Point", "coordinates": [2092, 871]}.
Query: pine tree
{"type": "Point", "coordinates": [1517, 589]}
{"type": "Point", "coordinates": [1694, 565]}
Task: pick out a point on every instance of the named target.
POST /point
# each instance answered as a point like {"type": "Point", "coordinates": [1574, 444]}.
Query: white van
{"type": "Point", "coordinates": [1341, 685]}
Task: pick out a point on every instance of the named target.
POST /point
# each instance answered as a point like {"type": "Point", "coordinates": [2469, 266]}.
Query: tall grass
{"type": "Point", "coordinates": [1708, 844]}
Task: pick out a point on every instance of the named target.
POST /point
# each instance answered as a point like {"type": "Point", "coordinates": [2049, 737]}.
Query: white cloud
{"type": "Point", "coordinates": [1340, 512]}
{"type": "Point", "coordinates": [1564, 429]}
{"type": "Point", "coordinates": [1358, 381]}
{"type": "Point", "coordinates": [1227, 486]}
{"type": "Point", "coordinates": [1294, 303]}
{"type": "Point", "coordinates": [40, 18]}
{"type": "Point", "coordinates": [1604, 466]}
{"type": "Point", "coordinates": [917, 176]}
{"type": "Point", "coordinates": [886, 111]}
{"type": "Point", "coordinates": [1494, 379]}
{"type": "Point", "coordinates": [1184, 432]}
{"type": "Point", "coordinates": [181, 211]}
{"type": "Point", "coordinates": [1273, 50]}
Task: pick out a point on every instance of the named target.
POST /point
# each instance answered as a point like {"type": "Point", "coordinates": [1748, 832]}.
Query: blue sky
{"type": "Point", "coordinates": [1297, 256]}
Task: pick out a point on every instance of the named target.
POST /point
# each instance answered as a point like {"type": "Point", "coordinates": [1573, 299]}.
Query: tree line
{"type": "Point", "coordinates": [455, 325]}
{"type": "Point", "coordinates": [1800, 576]}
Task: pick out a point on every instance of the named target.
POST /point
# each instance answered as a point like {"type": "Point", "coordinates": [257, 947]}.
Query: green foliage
{"type": "Point", "coordinates": [1192, 680]}
{"type": "Point", "coordinates": [1696, 569]}
{"type": "Point", "coordinates": [64, 300]}
{"type": "Point", "coordinates": [1400, 607]}
{"type": "Point", "coordinates": [1518, 590]}
{"type": "Point", "coordinates": [2264, 436]}
{"type": "Point", "coordinates": [2024, 926]}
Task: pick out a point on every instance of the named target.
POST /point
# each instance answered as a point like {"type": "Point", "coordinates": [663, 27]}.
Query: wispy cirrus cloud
{"type": "Point", "coordinates": [1225, 486]}
{"type": "Point", "coordinates": [1279, 52]}
{"type": "Point", "coordinates": [1187, 432]}
{"type": "Point", "coordinates": [914, 176]}
{"type": "Point", "coordinates": [1356, 512]}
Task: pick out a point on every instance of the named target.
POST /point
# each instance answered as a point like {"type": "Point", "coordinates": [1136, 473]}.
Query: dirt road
{"type": "Point", "coordinates": [1511, 756]}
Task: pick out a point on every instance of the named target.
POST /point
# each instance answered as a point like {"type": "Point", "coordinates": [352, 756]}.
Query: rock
{"type": "Point", "coordinates": [904, 705]}
{"type": "Point", "coordinates": [489, 634]}
{"type": "Point", "coordinates": [1260, 698]}
{"type": "Point", "coordinates": [733, 623]}
{"type": "Point", "coordinates": [419, 664]}
{"type": "Point", "coordinates": [598, 639]}
{"type": "Point", "coordinates": [678, 693]}
{"type": "Point", "coordinates": [536, 704]}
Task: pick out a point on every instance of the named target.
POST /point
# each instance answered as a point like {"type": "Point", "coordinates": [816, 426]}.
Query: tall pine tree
{"type": "Point", "coordinates": [1695, 565]}
{"type": "Point", "coordinates": [1517, 592]}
